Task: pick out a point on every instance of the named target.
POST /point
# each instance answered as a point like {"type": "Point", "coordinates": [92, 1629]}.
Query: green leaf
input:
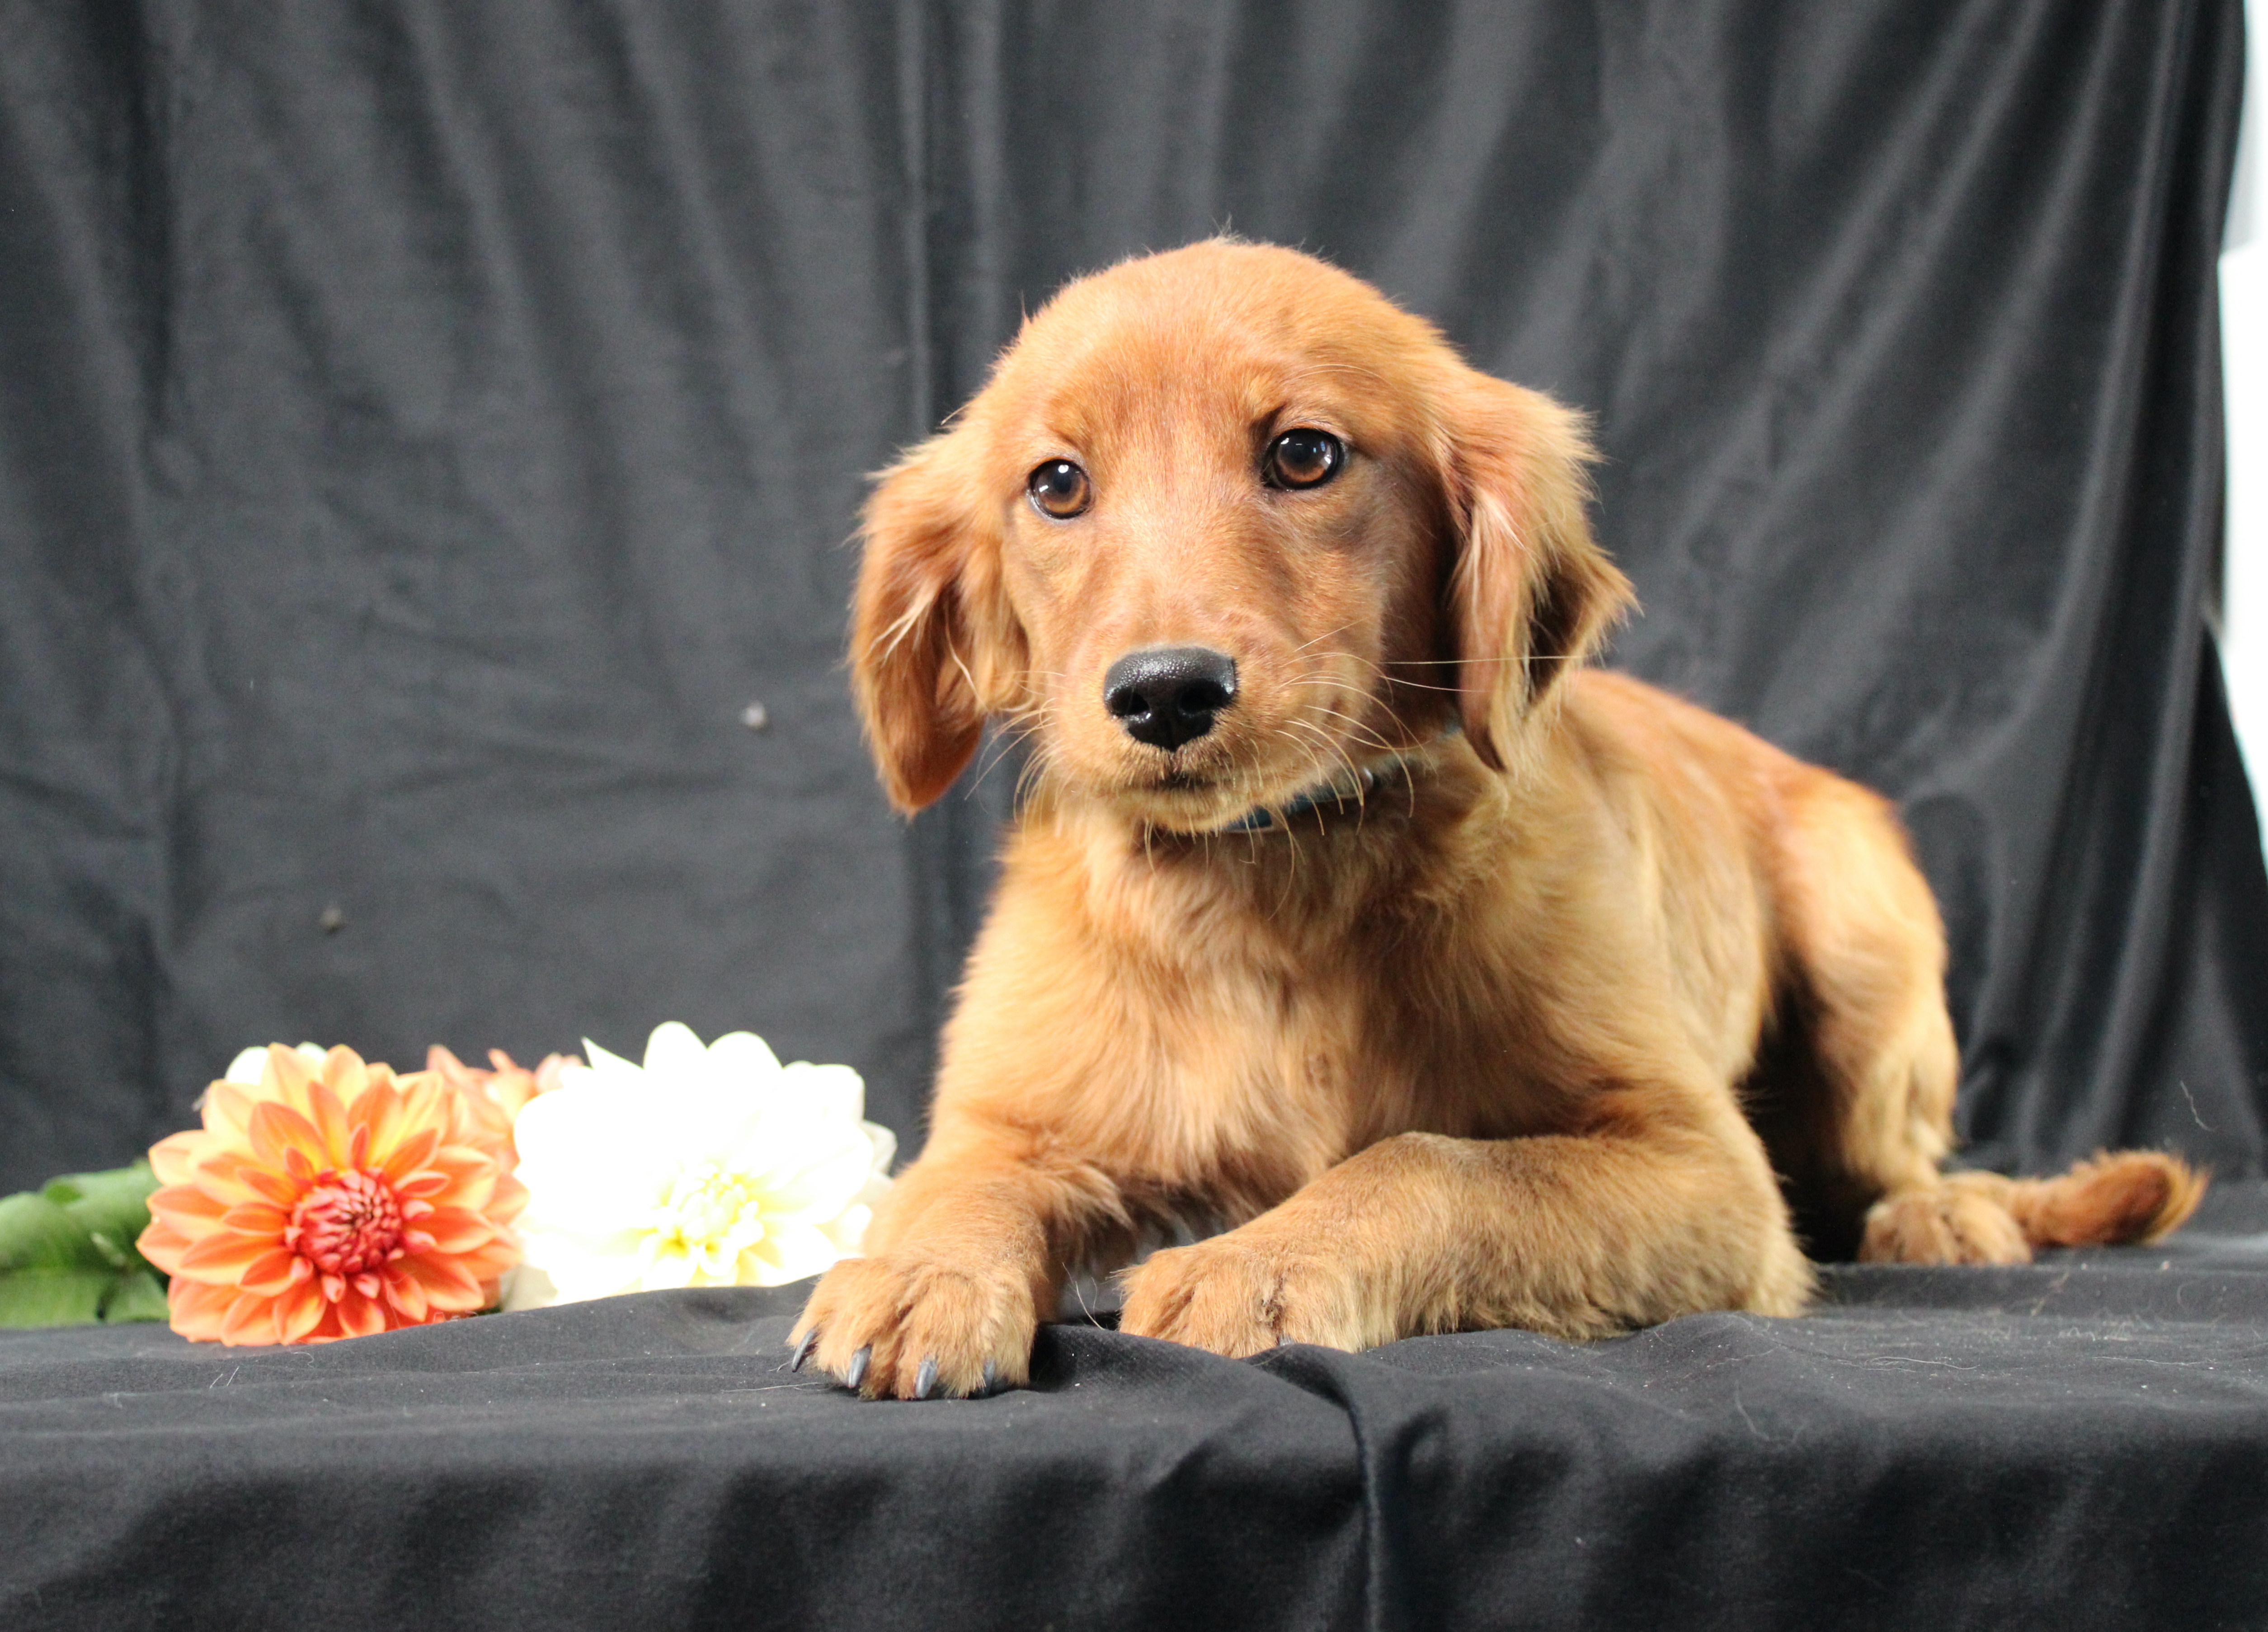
{"type": "Point", "coordinates": [68, 1254]}
{"type": "Point", "coordinates": [53, 1297]}
{"type": "Point", "coordinates": [35, 1234]}
{"type": "Point", "coordinates": [113, 1208]}
{"type": "Point", "coordinates": [138, 1295]}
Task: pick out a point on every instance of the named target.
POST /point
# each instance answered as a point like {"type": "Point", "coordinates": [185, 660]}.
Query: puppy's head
{"type": "Point", "coordinates": [1224, 522]}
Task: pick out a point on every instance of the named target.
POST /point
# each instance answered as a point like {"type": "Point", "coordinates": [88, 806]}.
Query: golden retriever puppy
{"type": "Point", "coordinates": [1464, 986]}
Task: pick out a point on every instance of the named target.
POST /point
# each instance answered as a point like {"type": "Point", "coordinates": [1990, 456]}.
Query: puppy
{"type": "Point", "coordinates": [1464, 986]}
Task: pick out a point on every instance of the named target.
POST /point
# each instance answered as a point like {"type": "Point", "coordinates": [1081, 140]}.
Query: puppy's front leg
{"type": "Point", "coordinates": [1579, 1236]}
{"type": "Point", "coordinates": [963, 1254]}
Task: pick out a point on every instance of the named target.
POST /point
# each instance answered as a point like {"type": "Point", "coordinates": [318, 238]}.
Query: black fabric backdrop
{"type": "Point", "coordinates": [425, 428]}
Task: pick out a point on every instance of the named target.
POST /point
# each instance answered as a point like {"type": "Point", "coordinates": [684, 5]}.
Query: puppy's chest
{"type": "Point", "coordinates": [1297, 1063]}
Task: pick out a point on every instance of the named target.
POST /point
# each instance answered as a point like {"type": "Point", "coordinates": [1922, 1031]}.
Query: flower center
{"type": "Point", "coordinates": [705, 1203]}
{"type": "Point", "coordinates": [347, 1222]}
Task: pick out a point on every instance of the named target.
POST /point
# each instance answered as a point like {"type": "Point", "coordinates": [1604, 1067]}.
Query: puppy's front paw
{"type": "Point", "coordinates": [917, 1327]}
{"type": "Point", "coordinates": [1239, 1297]}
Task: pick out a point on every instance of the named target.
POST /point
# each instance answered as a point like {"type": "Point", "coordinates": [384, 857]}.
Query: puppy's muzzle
{"type": "Point", "coordinates": [1167, 695]}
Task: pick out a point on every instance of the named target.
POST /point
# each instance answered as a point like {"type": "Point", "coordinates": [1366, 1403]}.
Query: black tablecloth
{"type": "Point", "coordinates": [2083, 1442]}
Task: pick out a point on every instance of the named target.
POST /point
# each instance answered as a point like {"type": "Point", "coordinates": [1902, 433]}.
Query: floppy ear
{"type": "Point", "coordinates": [1530, 593]}
{"type": "Point", "coordinates": [934, 645]}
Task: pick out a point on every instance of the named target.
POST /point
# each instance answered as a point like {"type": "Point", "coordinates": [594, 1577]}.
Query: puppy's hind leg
{"type": "Point", "coordinates": [1889, 1079]}
{"type": "Point", "coordinates": [1892, 1071]}
{"type": "Point", "coordinates": [1867, 951]}
{"type": "Point", "coordinates": [1855, 1100]}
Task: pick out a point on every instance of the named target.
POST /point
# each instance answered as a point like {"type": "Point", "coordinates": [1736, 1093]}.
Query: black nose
{"type": "Point", "coordinates": [1167, 695]}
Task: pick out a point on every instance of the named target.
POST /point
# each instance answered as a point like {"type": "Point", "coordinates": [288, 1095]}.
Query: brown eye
{"type": "Point", "coordinates": [1302, 459]}
{"type": "Point", "coordinates": [1059, 489]}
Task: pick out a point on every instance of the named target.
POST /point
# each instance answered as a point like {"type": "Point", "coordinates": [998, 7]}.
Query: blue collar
{"type": "Point", "coordinates": [1338, 791]}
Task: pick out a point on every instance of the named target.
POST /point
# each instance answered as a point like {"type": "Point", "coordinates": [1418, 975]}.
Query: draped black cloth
{"type": "Point", "coordinates": [2077, 1444]}
{"type": "Point", "coordinates": [427, 428]}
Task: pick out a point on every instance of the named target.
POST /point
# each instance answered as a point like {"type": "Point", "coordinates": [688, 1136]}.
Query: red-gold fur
{"type": "Point", "coordinates": [1520, 1041]}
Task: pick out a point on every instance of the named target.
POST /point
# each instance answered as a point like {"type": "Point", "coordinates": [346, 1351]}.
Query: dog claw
{"type": "Point", "coordinates": [926, 1379]}
{"type": "Point", "coordinates": [857, 1374]}
{"type": "Point", "coordinates": [991, 1376]}
{"type": "Point", "coordinates": [803, 1349]}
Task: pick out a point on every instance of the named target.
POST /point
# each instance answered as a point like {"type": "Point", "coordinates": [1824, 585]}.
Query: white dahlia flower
{"type": "Point", "coordinates": [705, 1166]}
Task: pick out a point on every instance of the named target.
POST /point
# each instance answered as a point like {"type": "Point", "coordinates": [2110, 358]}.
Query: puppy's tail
{"type": "Point", "coordinates": [2118, 1198]}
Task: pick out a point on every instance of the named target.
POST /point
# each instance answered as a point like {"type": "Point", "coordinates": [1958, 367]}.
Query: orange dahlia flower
{"type": "Point", "coordinates": [498, 1096]}
{"type": "Point", "coordinates": [330, 1201]}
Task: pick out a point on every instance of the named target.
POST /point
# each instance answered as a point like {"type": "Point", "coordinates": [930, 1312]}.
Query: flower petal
{"type": "Point", "coordinates": [286, 1072]}
{"type": "Point", "coordinates": [220, 1177]}
{"type": "Point", "coordinates": [611, 1067]}
{"type": "Point", "coordinates": [530, 1288]}
{"type": "Point", "coordinates": [162, 1245]}
{"type": "Point", "coordinates": [791, 1252]}
{"type": "Point", "coordinates": [673, 1050]}
{"type": "Point", "coordinates": [381, 1111]}
{"type": "Point", "coordinates": [278, 1130]}
{"type": "Point", "coordinates": [406, 1294]}
{"type": "Point", "coordinates": [444, 1282]}
{"type": "Point", "coordinates": [263, 1219]}
{"type": "Point", "coordinates": [197, 1311]}
{"type": "Point", "coordinates": [249, 1318]}
{"type": "Point", "coordinates": [507, 1202]}
{"type": "Point", "coordinates": [172, 1157]}
{"type": "Point", "coordinates": [223, 1255]}
{"type": "Point", "coordinates": [228, 1111]}
{"type": "Point", "coordinates": [835, 1091]}
{"type": "Point", "coordinates": [298, 1311]}
{"type": "Point", "coordinates": [672, 1267]}
{"type": "Point", "coordinates": [846, 1232]}
{"type": "Point", "coordinates": [360, 1316]}
{"type": "Point", "coordinates": [344, 1073]}
{"type": "Point", "coordinates": [580, 1271]}
{"type": "Point", "coordinates": [329, 1117]}
{"type": "Point", "coordinates": [740, 1059]}
{"type": "Point", "coordinates": [188, 1207]}
{"type": "Point", "coordinates": [487, 1264]}
{"type": "Point", "coordinates": [829, 1183]}
{"type": "Point", "coordinates": [267, 1184]}
{"type": "Point", "coordinates": [455, 1230]}
{"type": "Point", "coordinates": [413, 1152]}
{"type": "Point", "coordinates": [270, 1275]}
